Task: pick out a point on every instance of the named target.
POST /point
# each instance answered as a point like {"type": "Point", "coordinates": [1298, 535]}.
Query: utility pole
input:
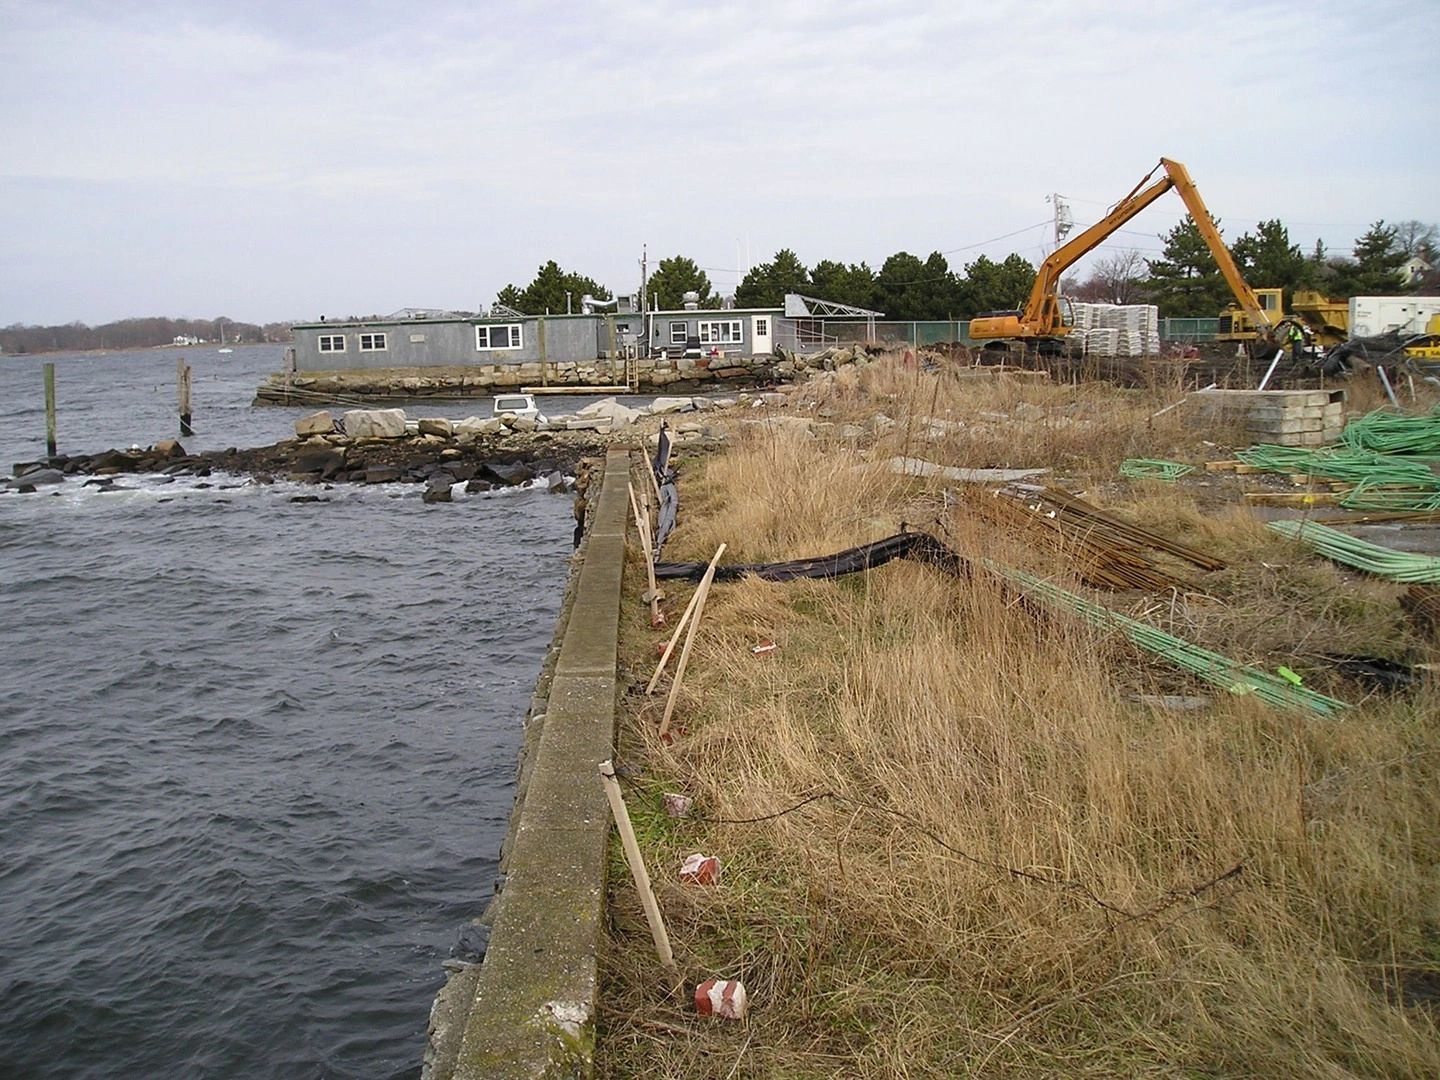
{"type": "Point", "coordinates": [1064, 222]}
{"type": "Point", "coordinates": [644, 275]}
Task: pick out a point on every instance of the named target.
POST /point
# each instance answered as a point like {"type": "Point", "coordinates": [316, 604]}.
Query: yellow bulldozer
{"type": "Point", "coordinates": [1327, 322]}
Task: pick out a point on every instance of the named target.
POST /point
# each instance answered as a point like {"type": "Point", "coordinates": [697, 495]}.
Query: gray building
{"type": "Point", "coordinates": [419, 339]}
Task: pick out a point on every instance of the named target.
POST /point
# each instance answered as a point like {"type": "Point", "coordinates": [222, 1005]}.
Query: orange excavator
{"type": "Point", "coordinates": [1041, 325]}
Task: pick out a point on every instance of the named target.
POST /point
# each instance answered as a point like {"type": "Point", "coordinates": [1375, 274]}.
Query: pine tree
{"type": "Point", "coordinates": [1185, 282]}
{"type": "Point", "coordinates": [676, 276]}
{"type": "Point", "coordinates": [766, 284]}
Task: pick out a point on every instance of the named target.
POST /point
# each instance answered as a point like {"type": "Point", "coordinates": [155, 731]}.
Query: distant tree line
{"type": "Point", "coordinates": [1186, 282]}
{"type": "Point", "coordinates": [905, 286]}
{"type": "Point", "coordinates": [135, 334]}
{"type": "Point", "coordinates": [1183, 282]}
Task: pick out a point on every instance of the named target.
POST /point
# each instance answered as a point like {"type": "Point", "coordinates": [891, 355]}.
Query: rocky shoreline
{"type": "Point", "coordinates": [437, 463]}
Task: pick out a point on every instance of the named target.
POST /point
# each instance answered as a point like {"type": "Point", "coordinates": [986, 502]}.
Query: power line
{"type": "Point", "coordinates": [993, 239]}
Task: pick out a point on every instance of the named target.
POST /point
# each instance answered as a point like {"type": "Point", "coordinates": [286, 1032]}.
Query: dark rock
{"type": "Point", "coordinates": [103, 481]}
{"type": "Point", "coordinates": [510, 474]}
{"type": "Point", "coordinates": [262, 478]}
{"type": "Point", "coordinates": [461, 470]}
{"type": "Point", "coordinates": [307, 499]}
{"type": "Point", "coordinates": [203, 470]}
{"type": "Point", "coordinates": [437, 491]}
{"type": "Point", "coordinates": [478, 485]}
{"type": "Point", "coordinates": [471, 943]}
{"type": "Point", "coordinates": [382, 474]}
{"type": "Point", "coordinates": [303, 477]}
{"type": "Point", "coordinates": [114, 461]}
{"type": "Point", "coordinates": [325, 460]}
{"type": "Point", "coordinates": [26, 489]}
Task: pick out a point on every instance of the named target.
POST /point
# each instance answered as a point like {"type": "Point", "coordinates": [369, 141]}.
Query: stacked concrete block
{"type": "Point", "coordinates": [1281, 417]}
{"type": "Point", "coordinates": [1136, 328]}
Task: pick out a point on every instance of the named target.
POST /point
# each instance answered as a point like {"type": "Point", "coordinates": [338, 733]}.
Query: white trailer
{"type": "Point", "coordinates": [1371, 315]}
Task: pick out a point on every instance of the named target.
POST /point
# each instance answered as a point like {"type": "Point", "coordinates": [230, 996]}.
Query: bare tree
{"type": "Point", "coordinates": [1116, 279]}
{"type": "Point", "coordinates": [1418, 238]}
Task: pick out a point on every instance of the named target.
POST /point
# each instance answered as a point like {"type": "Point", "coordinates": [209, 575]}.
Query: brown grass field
{"type": "Point", "coordinates": [1014, 867]}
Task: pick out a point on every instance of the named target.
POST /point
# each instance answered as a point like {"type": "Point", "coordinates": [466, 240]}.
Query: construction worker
{"type": "Point", "coordinates": [1294, 340]}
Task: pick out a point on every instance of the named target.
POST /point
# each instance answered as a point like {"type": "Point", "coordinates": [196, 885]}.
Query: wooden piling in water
{"type": "Point", "coordinates": [182, 381]}
{"type": "Point", "coordinates": [49, 409]}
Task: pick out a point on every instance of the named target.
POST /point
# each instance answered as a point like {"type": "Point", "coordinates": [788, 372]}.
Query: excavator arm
{"type": "Point", "coordinates": [1041, 317]}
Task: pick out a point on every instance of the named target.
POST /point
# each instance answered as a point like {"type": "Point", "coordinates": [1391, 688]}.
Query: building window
{"type": "Point", "coordinates": [498, 336]}
{"type": "Point", "coordinates": [372, 342]}
{"type": "Point", "coordinates": [679, 332]}
{"type": "Point", "coordinates": [721, 333]}
{"type": "Point", "coordinates": [332, 342]}
{"type": "Point", "coordinates": [762, 327]}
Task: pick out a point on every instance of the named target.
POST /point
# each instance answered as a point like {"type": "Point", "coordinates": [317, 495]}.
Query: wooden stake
{"type": "Point", "coordinates": [650, 472]}
{"type": "Point", "coordinates": [182, 382]}
{"type": "Point", "coordinates": [684, 621]}
{"type": "Point", "coordinates": [700, 594]}
{"type": "Point", "coordinates": [637, 864]}
{"type": "Point", "coordinates": [642, 524]}
{"type": "Point", "coordinates": [49, 409]}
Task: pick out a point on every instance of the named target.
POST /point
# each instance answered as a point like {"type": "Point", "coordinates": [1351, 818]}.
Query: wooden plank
{"type": "Point", "coordinates": [1292, 498]}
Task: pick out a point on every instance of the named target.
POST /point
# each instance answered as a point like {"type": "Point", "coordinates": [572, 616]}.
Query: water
{"type": "Point", "coordinates": [256, 757]}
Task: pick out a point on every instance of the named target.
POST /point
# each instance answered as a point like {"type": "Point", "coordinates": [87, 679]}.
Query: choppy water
{"type": "Point", "coordinates": [255, 756]}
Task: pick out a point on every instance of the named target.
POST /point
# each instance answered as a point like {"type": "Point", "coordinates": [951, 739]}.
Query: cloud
{"type": "Point", "coordinates": [519, 132]}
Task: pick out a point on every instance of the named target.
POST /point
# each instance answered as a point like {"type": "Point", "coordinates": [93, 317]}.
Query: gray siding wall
{"type": "Point", "coordinates": [446, 344]}
{"type": "Point", "coordinates": [662, 334]}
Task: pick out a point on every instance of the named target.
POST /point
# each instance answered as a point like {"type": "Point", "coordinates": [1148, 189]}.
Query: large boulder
{"type": "Point", "coordinates": [610, 409]}
{"type": "Point", "coordinates": [474, 425]}
{"type": "Point", "coordinates": [38, 478]}
{"type": "Point", "coordinates": [436, 425]}
{"type": "Point", "coordinates": [375, 423]}
{"type": "Point", "coordinates": [317, 423]}
{"type": "Point", "coordinates": [670, 404]}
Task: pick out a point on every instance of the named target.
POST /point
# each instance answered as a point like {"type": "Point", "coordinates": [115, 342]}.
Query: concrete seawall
{"type": "Point", "coordinates": [528, 1010]}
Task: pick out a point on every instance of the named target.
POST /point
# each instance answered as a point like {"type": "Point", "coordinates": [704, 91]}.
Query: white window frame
{"type": "Point", "coordinates": [683, 334]}
{"type": "Point", "coordinates": [762, 327]}
{"type": "Point", "coordinates": [332, 343]}
{"type": "Point", "coordinates": [515, 335]}
{"type": "Point", "coordinates": [722, 332]}
{"type": "Point", "coordinates": [374, 341]}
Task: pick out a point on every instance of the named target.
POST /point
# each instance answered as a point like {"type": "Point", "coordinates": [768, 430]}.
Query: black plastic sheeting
{"type": "Point", "coordinates": [922, 547]}
{"type": "Point", "coordinates": [669, 493]}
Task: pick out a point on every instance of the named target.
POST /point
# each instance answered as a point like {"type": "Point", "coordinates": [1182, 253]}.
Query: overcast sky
{"type": "Point", "coordinates": [283, 160]}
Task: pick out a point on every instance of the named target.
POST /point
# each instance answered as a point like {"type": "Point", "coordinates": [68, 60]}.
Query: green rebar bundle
{"type": "Point", "coordinates": [1210, 666]}
{"type": "Point", "coordinates": [1371, 496]}
{"type": "Point", "coordinates": [1343, 463]}
{"type": "Point", "coordinates": [1154, 469]}
{"type": "Point", "coordinates": [1362, 555]}
{"type": "Point", "coordinates": [1389, 432]}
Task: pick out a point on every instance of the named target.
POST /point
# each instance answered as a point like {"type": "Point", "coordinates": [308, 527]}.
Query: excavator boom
{"type": "Point", "coordinates": [1042, 318]}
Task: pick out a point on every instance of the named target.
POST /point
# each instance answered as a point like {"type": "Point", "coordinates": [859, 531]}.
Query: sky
{"type": "Point", "coordinates": [273, 161]}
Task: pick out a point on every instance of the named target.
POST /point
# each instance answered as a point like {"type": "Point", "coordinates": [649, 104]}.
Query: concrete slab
{"type": "Point", "coordinates": [533, 1007]}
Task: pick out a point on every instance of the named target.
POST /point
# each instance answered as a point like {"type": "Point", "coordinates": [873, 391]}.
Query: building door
{"type": "Point", "coordinates": [760, 335]}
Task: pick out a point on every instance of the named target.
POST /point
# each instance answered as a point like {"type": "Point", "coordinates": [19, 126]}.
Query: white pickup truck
{"type": "Point", "coordinates": [518, 404]}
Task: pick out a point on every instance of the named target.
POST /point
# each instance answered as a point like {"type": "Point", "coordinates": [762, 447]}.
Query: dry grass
{"type": "Point", "coordinates": [1015, 870]}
